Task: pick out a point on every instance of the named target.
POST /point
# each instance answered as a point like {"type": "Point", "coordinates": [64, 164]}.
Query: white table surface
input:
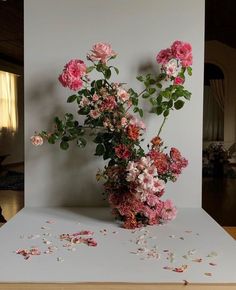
{"type": "Point", "coordinates": [112, 260]}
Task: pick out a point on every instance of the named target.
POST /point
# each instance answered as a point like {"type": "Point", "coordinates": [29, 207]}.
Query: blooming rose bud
{"type": "Point", "coordinates": [36, 140]}
{"type": "Point", "coordinates": [101, 52]}
{"type": "Point", "coordinates": [178, 80]}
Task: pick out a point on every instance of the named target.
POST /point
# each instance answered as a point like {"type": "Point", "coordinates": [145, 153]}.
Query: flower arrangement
{"type": "Point", "coordinates": [134, 181]}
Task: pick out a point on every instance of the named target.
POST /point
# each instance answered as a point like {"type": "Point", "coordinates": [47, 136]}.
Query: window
{"type": "Point", "coordinates": [8, 101]}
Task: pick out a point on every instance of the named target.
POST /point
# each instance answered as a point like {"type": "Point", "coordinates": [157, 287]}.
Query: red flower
{"type": "Point", "coordinates": [133, 132]}
{"type": "Point", "coordinates": [122, 151]}
{"type": "Point", "coordinates": [160, 161]}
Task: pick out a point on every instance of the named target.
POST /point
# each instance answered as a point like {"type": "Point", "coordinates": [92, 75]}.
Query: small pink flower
{"type": "Point", "coordinates": [164, 56]}
{"type": "Point", "coordinates": [95, 97]}
{"type": "Point", "coordinates": [84, 102]}
{"type": "Point", "coordinates": [108, 104]}
{"type": "Point", "coordinates": [178, 81]}
{"type": "Point", "coordinates": [72, 73]}
{"type": "Point", "coordinates": [94, 114]}
{"type": "Point", "coordinates": [36, 140]}
{"type": "Point", "coordinates": [123, 95]}
{"type": "Point", "coordinates": [168, 211]}
{"type": "Point", "coordinates": [101, 52]}
{"type": "Point", "coordinates": [123, 121]}
{"type": "Point", "coordinates": [171, 68]}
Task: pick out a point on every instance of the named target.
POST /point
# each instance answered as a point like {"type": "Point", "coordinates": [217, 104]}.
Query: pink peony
{"type": "Point", "coordinates": [168, 211]}
{"type": "Point", "coordinates": [95, 97]}
{"type": "Point", "coordinates": [36, 140]}
{"type": "Point", "coordinates": [122, 151]}
{"type": "Point", "coordinates": [178, 81]}
{"type": "Point", "coordinates": [164, 56]}
{"type": "Point", "coordinates": [72, 73]}
{"type": "Point", "coordinates": [101, 52]}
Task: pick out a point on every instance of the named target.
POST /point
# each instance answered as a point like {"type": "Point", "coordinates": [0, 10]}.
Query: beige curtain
{"type": "Point", "coordinates": [8, 101]}
{"type": "Point", "coordinates": [218, 92]}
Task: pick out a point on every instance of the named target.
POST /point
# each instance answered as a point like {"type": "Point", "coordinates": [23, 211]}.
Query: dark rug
{"type": "Point", "coordinates": [12, 180]}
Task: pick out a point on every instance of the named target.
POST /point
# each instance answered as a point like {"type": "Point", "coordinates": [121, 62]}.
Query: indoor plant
{"type": "Point", "coordinates": [134, 179]}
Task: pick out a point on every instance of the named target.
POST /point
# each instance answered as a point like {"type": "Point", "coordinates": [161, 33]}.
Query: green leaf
{"type": "Point", "coordinates": [151, 91]}
{"type": "Point", "coordinates": [89, 69]}
{"type": "Point", "coordinates": [159, 99]}
{"type": "Point", "coordinates": [107, 73]}
{"type": "Point", "coordinates": [140, 113]}
{"type": "Point", "coordinates": [116, 70]}
{"type": "Point", "coordinates": [51, 140]}
{"type": "Point", "coordinates": [136, 109]}
{"type": "Point", "coordinates": [159, 85]}
{"type": "Point", "coordinates": [64, 145]}
{"type": "Point", "coordinates": [134, 101]}
{"type": "Point", "coordinates": [170, 103]}
{"type": "Point", "coordinates": [99, 67]}
{"type": "Point", "coordinates": [166, 113]}
{"type": "Point", "coordinates": [186, 94]}
{"type": "Point", "coordinates": [178, 104]}
{"type": "Point", "coordinates": [100, 150]}
{"type": "Point", "coordinates": [139, 78]}
{"type": "Point", "coordinates": [98, 84]}
{"type": "Point", "coordinates": [71, 99]}
{"type": "Point", "coordinates": [69, 116]}
{"type": "Point", "coordinates": [146, 95]}
{"type": "Point", "coordinates": [81, 142]}
{"type": "Point", "coordinates": [84, 111]}
{"type": "Point", "coordinates": [159, 110]}
{"type": "Point", "coordinates": [189, 70]}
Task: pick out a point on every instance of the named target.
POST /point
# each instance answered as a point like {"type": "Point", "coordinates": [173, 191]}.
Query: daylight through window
{"type": "Point", "coordinates": [8, 101]}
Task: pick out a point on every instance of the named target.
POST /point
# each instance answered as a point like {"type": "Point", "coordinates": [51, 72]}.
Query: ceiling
{"type": "Point", "coordinates": [220, 25]}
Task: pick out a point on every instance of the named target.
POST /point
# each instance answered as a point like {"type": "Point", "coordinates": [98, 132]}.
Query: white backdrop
{"type": "Point", "coordinates": [59, 30]}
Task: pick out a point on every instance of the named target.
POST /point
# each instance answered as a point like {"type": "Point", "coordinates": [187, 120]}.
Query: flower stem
{"type": "Point", "coordinates": [163, 122]}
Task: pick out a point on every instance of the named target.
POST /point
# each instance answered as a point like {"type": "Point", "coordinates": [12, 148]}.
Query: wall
{"type": "Point", "coordinates": [59, 30]}
{"type": "Point", "coordinates": [14, 144]}
{"type": "Point", "coordinates": [225, 57]}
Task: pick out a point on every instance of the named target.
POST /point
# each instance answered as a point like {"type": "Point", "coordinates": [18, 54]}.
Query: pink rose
{"type": "Point", "coordinates": [72, 73]}
{"type": "Point", "coordinates": [182, 51]}
{"type": "Point", "coordinates": [94, 114]}
{"type": "Point", "coordinates": [101, 52]}
{"type": "Point", "coordinates": [171, 68]}
{"type": "Point", "coordinates": [95, 97]}
{"type": "Point", "coordinates": [164, 56]}
{"type": "Point", "coordinates": [123, 95]}
{"type": "Point", "coordinates": [36, 140]}
{"type": "Point", "coordinates": [178, 81]}
{"type": "Point", "coordinates": [168, 211]}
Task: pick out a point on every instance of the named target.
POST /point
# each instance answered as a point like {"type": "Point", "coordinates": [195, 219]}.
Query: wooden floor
{"type": "Point", "coordinates": [219, 199]}
{"type": "Point", "coordinates": [12, 201]}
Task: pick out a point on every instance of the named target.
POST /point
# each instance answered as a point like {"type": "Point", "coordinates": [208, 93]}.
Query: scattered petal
{"type": "Point", "coordinates": [197, 260]}
{"type": "Point", "coordinates": [180, 269]}
{"type": "Point", "coordinates": [208, 274]}
{"type": "Point", "coordinates": [186, 282]}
